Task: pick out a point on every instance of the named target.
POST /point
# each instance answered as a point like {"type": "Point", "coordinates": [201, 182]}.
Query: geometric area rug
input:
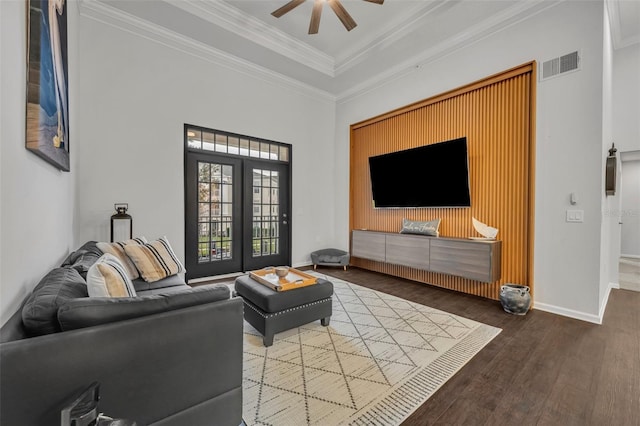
{"type": "Point", "coordinates": [380, 358]}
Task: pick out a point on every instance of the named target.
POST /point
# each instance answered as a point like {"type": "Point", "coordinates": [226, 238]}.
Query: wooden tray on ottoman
{"type": "Point", "coordinates": [294, 279]}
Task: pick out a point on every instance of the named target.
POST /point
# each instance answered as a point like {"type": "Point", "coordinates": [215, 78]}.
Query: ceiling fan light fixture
{"type": "Point", "coordinates": [342, 14]}
{"type": "Point", "coordinates": [286, 8]}
{"type": "Point", "coordinates": [314, 24]}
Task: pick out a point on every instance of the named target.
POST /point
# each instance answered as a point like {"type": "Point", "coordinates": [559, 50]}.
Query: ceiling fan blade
{"type": "Point", "coordinates": [342, 14]}
{"type": "Point", "coordinates": [314, 25]}
{"type": "Point", "coordinates": [375, 1]}
{"type": "Point", "coordinates": [286, 8]}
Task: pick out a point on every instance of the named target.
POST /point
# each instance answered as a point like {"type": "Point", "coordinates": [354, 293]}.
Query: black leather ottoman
{"type": "Point", "coordinates": [271, 312]}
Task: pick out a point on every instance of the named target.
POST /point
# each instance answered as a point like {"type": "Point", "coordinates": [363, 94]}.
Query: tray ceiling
{"type": "Point", "coordinates": [388, 39]}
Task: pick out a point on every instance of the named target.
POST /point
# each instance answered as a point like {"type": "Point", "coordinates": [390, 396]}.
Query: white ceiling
{"type": "Point", "coordinates": [625, 22]}
{"type": "Point", "coordinates": [389, 38]}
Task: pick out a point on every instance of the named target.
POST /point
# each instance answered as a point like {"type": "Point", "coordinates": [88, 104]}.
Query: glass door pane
{"type": "Point", "coordinates": [267, 186]}
{"type": "Point", "coordinates": [215, 207]}
{"type": "Point", "coordinates": [265, 219]}
{"type": "Point", "coordinates": [213, 237]}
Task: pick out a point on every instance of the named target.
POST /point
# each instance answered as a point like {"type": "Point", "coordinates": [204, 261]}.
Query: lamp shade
{"type": "Point", "coordinates": [121, 223]}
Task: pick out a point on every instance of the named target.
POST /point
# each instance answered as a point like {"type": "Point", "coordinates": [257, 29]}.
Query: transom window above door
{"type": "Point", "coordinates": [225, 143]}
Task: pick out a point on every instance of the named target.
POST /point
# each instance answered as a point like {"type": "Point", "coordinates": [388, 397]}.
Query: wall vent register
{"type": "Point", "coordinates": [560, 65]}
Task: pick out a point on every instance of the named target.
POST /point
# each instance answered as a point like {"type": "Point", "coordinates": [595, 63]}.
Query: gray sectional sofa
{"type": "Point", "coordinates": [172, 355]}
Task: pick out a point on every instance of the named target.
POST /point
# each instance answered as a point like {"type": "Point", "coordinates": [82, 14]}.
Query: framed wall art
{"type": "Point", "coordinates": [47, 126]}
{"type": "Point", "coordinates": [610, 172]}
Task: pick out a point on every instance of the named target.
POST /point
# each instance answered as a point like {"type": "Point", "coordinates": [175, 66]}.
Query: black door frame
{"type": "Point", "coordinates": [193, 267]}
{"type": "Point", "coordinates": [284, 216]}
{"type": "Point", "coordinates": [246, 231]}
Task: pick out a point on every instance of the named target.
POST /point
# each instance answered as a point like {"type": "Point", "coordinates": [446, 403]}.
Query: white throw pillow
{"type": "Point", "coordinates": [108, 278]}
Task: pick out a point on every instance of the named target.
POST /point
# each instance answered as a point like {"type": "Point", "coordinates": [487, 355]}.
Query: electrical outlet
{"type": "Point", "coordinates": [575, 216]}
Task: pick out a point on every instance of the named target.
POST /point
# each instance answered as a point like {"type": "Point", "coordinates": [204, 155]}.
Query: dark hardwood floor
{"type": "Point", "coordinates": [543, 369]}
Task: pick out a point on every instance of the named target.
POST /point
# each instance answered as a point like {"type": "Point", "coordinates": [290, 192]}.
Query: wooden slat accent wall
{"type": "Point", "coordinates": [497, 117]}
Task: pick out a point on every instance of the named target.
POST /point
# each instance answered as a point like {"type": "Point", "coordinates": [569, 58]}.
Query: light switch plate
{"type": "Point", "coordinates": [575, 216]}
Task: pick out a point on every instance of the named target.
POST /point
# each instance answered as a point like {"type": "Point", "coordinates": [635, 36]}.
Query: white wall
{"type": "Point", "coordinates": [630, 191]}
{"type": "Point", "coordinates": [626, 134]}
{"type": "Point", "coordinates": [36, 199]}
{"type": "Point", "coordinates": [626, 96]}
{"type": "Point", "coordinates": [610, 229]}
{"type": "Point", "coordinates": [136, 95]}
{"type": "Point", "coordinates": [568, 141]}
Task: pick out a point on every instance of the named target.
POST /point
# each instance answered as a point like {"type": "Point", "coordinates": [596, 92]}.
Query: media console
{"type": "Point", "coordinates": [473, 259]}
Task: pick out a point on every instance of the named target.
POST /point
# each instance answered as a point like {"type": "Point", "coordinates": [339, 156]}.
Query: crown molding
{"type": "Point", "coordinates": [630, 156]}
{"type": "Point", "coordinates": [234, 20]}
{"type": "Point", "coordinates": [109, 15]}
{"type": "Point", "coordinates": [613, 7]}
{"type": "Point", "coordinates": [500, 22]}
{"type": "Point", "coordinates": [237, 22]}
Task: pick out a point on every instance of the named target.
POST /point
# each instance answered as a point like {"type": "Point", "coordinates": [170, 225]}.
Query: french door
{"type": "Point", "coordinates": [236, 214]}
{"type": "Point", "coordinates": [213, 214]}
{"type": "Point", "coordinates": [266, 215]}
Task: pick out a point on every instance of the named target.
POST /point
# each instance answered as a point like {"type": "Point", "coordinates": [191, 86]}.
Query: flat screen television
{"type": "Point", "coordinates": [435, 175]}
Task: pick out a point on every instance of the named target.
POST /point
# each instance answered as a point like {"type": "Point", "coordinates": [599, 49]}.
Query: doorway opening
{"type": "Point", "coordinates": [237, 203]}
{"type": "Point", "coordinates": [629, 266]}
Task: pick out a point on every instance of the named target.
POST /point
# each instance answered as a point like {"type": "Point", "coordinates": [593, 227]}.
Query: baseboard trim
{"type": "Point", "coordinates": [631, 256]}
{"type": "Point", "coordinates": [582, 316]}
{"type": "Point", "coordinates": [579, 315]}
{"type": "Point", "coordinates": [605, 300]}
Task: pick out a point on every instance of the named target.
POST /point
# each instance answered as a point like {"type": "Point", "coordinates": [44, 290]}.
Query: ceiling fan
{"type": "Point", "coordinates": [337, 7]}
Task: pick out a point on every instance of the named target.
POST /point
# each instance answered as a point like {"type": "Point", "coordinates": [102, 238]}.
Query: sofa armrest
{"type": "Point", "coordinates": [149, 368]}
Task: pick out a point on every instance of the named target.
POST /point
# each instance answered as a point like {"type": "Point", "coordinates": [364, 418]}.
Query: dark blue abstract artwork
{"type": "Point", "coordinates": [47, 126]}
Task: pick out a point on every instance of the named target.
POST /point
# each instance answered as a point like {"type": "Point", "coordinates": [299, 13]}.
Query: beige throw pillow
{"type": "Point", "coordinates": [108, 278]}
{"type": "Point", "coordinates": [155, 260]}
{"type": "Point", "coordinates": [117, 249]}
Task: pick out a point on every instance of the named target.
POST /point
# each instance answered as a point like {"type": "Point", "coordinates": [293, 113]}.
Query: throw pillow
{"type": "Point", "coordinates": [422, 228]}
{"type": "Point", "coordinates": [59, 286]}
{"type": "Point", "coordinates": [155, 260]}
{"type": "Point", "coordinates": [82, 259]}
{"type": "Point", "coordinates": [108, 278]}
{"type": "Point", "coordinates": [117, 249]}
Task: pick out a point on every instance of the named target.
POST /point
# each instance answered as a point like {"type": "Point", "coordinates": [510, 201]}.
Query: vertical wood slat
{"type": "Point", "coordinates": [496, 115]}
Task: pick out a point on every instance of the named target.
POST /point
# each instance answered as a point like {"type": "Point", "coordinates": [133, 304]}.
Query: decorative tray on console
{"type": "Point", "coordinates": [294, 279]}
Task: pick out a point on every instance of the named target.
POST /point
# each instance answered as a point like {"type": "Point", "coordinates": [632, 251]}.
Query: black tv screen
{"type": "Point", "coordinates": [435, 175]}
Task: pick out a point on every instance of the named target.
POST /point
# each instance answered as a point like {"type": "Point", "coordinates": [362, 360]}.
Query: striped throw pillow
{"type": "Point", "coordinates": [117, 249]}
{"type": "Point", "coordinates": [155, 260]}
{"type": "Point", "coordinates": [108, 278]}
